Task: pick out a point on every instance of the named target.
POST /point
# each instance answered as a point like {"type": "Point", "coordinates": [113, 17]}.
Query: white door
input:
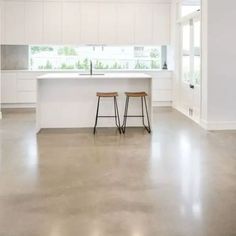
{"type": "Point", "coordinates": [190, 68]}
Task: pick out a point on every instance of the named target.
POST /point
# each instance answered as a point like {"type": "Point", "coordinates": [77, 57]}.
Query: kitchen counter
{"type": "Point", "coordinates": [68, 100]}
{"type": "Point", "coordinates": [95, 76]}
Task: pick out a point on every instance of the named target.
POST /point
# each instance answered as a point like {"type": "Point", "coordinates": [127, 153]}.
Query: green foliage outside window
{"type": "Point", "coordinates": [106, 58]}
{"type": "Point", "coordinates": [38, 49]}
{"type": "Point", "coordinates": [67, 51]}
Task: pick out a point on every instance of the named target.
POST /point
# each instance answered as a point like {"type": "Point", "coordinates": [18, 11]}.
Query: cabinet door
{"type": "Point", "coordinates": [52, 22]}
{"type": "Point", "coordinates": [143, 24]}
{"type": "Point", "coordinates": [89, 22]}
{"type": "Point", "coordinates": [34, 22]}
{"type": "Point", "coordinates": [71, 22]}
{"type": "Point", "coordinates": [14, 22]}
{"type": "Point", "coordinates": [125, 24]}
{"type": "Point", "coordinates": [2, 22]}
{"type": "Point", "coordinates": [161, 24]}
{"type": "Point", "coordinates": [108, 23]}
{"type": "Point", "coordinates": [8, 87]}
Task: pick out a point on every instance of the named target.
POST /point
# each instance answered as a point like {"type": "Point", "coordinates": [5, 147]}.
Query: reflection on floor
{"type": "Point", "coordinates": [179, 181]}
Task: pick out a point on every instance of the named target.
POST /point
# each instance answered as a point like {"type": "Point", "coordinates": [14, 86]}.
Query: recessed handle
{"type": "Point", "coordinates": [191, 86]}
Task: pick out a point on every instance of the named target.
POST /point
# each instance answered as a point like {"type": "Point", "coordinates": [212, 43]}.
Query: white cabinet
{"type": "Point", "coordinates": [108, 23]}
{"type": "Point", "coordinates": [162, 88]}
{"type": "Point", "coordinates": [34, 22]}
{"type": "Point", "coordinates": [71, 23]}
{"type": "Point", "coordinates": [89, 22]}
{"type": "Point", "coordinates": [52, 22]}
{"type": "Point", "coordinates": [14, 17]}
{"type": "Point", "coordinates": [143, 24]}
{"type": "Point", "coordinates": [2, 22]}
{"type": "Point", "coordinates": [8, 87]}
{"type": "Point", "coordinates": [161, 24]}
{"type": "Point", "coordinates": [19, 87]}
{"type": "Point", "coordinates": [85, 22]}
{"type": "Point", "coordinates": [125, 24]}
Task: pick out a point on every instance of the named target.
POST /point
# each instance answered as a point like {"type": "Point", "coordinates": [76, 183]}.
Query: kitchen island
{"type": "Point", "coordinates": [68, 100]}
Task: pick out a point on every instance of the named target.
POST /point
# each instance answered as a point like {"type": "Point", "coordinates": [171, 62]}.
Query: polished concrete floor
{"type": "Point", "coordinates": [179, 181]}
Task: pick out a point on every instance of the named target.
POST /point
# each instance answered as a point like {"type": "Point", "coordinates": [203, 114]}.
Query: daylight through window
{"type": "Point", "coordinates": [103, 58]}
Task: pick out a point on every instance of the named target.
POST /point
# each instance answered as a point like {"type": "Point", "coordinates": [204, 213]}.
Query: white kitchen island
{"type": "Point", "coordinates": [68, 100]}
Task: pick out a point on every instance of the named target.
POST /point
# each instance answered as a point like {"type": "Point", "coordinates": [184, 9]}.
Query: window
{"type": "Point", "coordinates": [189, 6]}
{"type": "Point", "coordinates": [186, 10]}
{"type": "Point", "coordinates": [103, 58]}
{"type": "Point", "coordinates": [191, 58]}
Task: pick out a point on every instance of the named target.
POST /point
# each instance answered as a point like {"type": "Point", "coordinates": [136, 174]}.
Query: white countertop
{"type": "Point", "coordinates": [99, 76]}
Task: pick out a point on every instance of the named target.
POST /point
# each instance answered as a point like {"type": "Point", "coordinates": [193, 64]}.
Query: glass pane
{"type": "Point", "coordinates": [186, 53]}
{"type": "Point", "coordinates": [103, 57]}
{"type": "Point", "coordinates": [197, 35]}
{"type": "Point", "coordinates": [197, 70]}
{"type": "Point", "coordinates": [186, 10]}
{"type": "Point", "coordinates": [186, 37]}
{"type": "Point", "coordinates": [197, 58]}
{"type": "Point", "coordinates": [186, 69]}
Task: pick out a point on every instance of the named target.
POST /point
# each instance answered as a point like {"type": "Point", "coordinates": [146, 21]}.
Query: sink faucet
{"type": "Point", "coordinates": [91, 67]}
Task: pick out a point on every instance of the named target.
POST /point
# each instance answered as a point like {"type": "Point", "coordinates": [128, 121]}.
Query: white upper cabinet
{"type": "Point", "coordinates": [71, 22]}
{"type": "Point", "coordinates": [143, 24]}
{"type": "Point", "coordinates": [125, 24]}
{"type": "Point", "coordinates": [161, 24]}
{"type": "Point", "coordinates": [89, 23]}
{"type": "Point", "coordinates": [1, 24]}
{"type": "Point", "coordinates": [52, 22]}
{"type": "Point", "coordinates": [108, 23]}
{"type": "Point", "coordinates": [85, 22]}
{"type": "Point", "coordinates": [34, 22]}
{"type": "Point", "coordinates": [14, 22]}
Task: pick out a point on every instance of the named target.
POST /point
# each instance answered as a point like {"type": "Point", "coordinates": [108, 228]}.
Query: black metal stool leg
{"type": "Point", "coordinates": [117, 116]}
{"type": "Point", "coordinates": [147, 128]}
{"type": "Point", "coordinates": [142, 111]}
{"type": "Point", "coordinates": [96, 119]}
{"type": "Point", "coordinates": [125, 114]}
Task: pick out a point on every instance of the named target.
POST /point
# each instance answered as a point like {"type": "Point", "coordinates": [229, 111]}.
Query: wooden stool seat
{"type": "Point", "coordinates": [109, 94]}
{"type": "Point", "coordinates": [136, 94]}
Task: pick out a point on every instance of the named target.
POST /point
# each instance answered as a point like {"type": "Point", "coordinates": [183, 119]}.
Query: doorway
{"type": "Point", "coordinates": [190, 65]}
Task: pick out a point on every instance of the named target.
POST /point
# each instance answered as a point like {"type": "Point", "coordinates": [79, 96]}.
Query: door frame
{"type": "Point", "coordinates": [196, 16]}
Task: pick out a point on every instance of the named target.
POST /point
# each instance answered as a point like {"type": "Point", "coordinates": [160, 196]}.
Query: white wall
{"type": "Point", "coordinates": [219, 37]}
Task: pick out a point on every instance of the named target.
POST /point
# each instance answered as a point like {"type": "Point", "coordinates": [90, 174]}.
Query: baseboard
{"type": "Point", "coordinates": [162, 104]}
{"type": "Point", "coordinates": [216, 125]}
{"type": "Point", "coordinates": [191, 118]}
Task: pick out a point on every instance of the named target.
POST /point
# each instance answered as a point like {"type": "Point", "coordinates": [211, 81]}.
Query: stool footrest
{"type": "Point", "coordinates": [133, 116]}
{"type": "Point", "coordinates": [106, 116]}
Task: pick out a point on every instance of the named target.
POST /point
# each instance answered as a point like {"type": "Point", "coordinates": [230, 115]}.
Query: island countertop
{"type": "Point", "coordinates": [94, 76]}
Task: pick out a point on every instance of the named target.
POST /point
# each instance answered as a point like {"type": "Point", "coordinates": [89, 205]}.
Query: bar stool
{"type": "Point", "coordinates": [116, 116]}
{"type": "Point", "coordinates": [141, 95]}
